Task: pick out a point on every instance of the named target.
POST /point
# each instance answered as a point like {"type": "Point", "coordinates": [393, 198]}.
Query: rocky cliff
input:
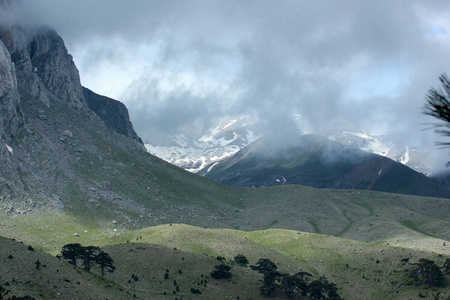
{"type": "Point", "coordinates": [46, 124]}
{"type": "Point", "coordinates": [10, 121]}
{"type": "Point", "coordinates": [112, 112]}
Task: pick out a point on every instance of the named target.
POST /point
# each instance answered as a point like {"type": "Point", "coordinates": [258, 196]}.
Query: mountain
{"type": "Point", "coordinates": [319, 162]}
{"type": "Point", "coordinates": [112, 112]}
{"type": "Point", "coordinates": [193, 153]}
{"type": "Point", "coordinates": [73, 172]}
{"type": "Point", "coordinates": [58, 154]}
{"type": "Point", "coordinates": [416, 158]}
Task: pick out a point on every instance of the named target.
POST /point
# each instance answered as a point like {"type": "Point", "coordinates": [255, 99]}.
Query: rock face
{"type": "Point", "coordinates": [10, 122]}
{"type": "Point", "coordinates": [10, 112]}
{"type": "Point", "coordinates": [45, 67]}
{"type": "Point", "coordinates": [46, 125]}
{"type": "Point", "coordinates": [112, 112]}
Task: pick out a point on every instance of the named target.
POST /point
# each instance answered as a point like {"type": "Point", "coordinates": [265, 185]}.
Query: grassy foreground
{"type": "Point", "coordinates": [361, 270]}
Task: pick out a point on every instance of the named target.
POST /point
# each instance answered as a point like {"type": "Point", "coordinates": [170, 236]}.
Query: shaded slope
{"type": "Point", "coordinates": [377, 264]}
{"type": "Point", "coordinates": [55, 278]}
{"type": "Point", "coordinates": [321, 163]}
{"type": "Point", "coordinates": [64, 158]}
{"type": "Point", "coordinates": [112, 112]}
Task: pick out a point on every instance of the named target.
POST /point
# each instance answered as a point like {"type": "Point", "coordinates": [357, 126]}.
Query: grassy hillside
{"type": "Point", "coordinates": [407, 221]}
{"type": "Point", "coordinates": [188, 254]}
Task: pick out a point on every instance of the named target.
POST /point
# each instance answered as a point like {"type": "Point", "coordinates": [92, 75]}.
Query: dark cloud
{"type": "Point", "coordinates": [367, 63]}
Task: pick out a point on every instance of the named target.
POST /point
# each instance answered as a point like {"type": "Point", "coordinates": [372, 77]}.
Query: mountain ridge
{"type": "Point", "coordinates": [321, 163]}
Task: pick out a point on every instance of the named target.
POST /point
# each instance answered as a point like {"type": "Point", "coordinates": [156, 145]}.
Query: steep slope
{"type": "Point", "coordinates": [59, 155]}
{"type": "Point", "coordinates": [322, 163]}
{"type": "Point", "coordinates": [10, 123]}
{"type": "Point", "coordinates": [112, 112]}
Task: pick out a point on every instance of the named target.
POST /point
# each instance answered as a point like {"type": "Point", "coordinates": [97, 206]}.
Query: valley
{"type": "Point", "coordinates": [74, 171]}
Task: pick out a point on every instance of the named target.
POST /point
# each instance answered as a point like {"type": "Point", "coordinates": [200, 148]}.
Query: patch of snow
{"type": "Point", "coordinates": [9, 148]}
{"type": "Point", "coordinates": [229, 124]}
{"type": "Point", "coordinates": [251, 137]}
{"type": "Point", "coordinates": [212, 166]}
{"type": "Point", "coordinates": [405, 157]}
{"type": "Point", "coordinates": [209, 136]}
{"type": "Point", "coordinates": [379, 173]}
{"type": "Point", "coordinates": [283, 181]}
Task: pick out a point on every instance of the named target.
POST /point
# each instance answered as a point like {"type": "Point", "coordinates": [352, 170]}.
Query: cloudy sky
{"type": "Point", "coordinates": [179, 66]}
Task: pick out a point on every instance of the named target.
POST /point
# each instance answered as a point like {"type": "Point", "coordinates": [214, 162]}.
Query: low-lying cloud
{"type": "Point", "coordinates": [181, 65]}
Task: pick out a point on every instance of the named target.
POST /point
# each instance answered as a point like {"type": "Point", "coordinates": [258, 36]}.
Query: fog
{"type": "Point", "coordinates": [180, 66]}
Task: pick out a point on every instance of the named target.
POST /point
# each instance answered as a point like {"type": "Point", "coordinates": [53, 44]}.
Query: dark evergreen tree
{"type": "Point", "coordinates": [104, 261]}
{"type": "Point", "coordinates": [446, 267]}
{"type": "Point", "coordinates": [89, 256]}
{"type": "Point", "coordinates": [271, 276]}
{"type": "Point", "coordinates": [405, 261]}
{"type": "Point", "coordinates": [264, 266]}
{"type": "Point", "coordinates": [271, 282]}
{"type": "Point", "coordinates": [428, 273]}
{"type": "Point", "coordinates": [296, 285]}
{"type": "Point", "coordinates": [241, 260]}
{"type": "Point", "coordinates": [72, 252]}
{"type": "Point", "coordinates": [38, 264]}
{"type": "Point", "coordinates": [221, 272]}
{"type": "Point", "coordinates": [316, 290]}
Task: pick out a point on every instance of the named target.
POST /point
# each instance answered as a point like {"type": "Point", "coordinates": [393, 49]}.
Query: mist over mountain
{"type": "Point", "coordinates": [195, 151]}
{"type": "Point", "coordinates": [319, 162]}
{"type": "Point", "coordinates": [74, 171]}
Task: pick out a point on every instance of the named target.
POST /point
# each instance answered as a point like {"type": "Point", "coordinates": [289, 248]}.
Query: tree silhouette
{"type": "Point", "coordinates": [405, 261]}
{"type": "Point", "coordinates": [438, 105]}
{"type": "Point", "coordinates": [89, 255]}
{"type": "Point", "coordinates": [72, 252]}
{"type": "Point", "coordinates": [446, 266]}
{"type": "Point", "coordinates": [428, 273]}
{"type": "Point", "coordinates": [271, 275]}
{"type": "Point", "coordinates": [294, 286]}
{"type": "Point", "coordinates": [104, 261]}
{"type": "Point", "coordinates": [264, 266]}
{"type": "Point", "coordinates": [241, 260]}
{"type": "Point", "coordinates": [221, 272]}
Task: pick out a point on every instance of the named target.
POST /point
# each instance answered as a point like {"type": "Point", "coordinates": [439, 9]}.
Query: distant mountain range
{"type": "Point", "coordinates": [320, 162]}
{"type": "Point", "coordinates": [232, 135]}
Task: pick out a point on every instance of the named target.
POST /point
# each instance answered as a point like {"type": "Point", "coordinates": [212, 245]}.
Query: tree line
{"type": "Point", "coordinates": [89, 256]}
{"type": "Point", "coordinates": [297, 286]}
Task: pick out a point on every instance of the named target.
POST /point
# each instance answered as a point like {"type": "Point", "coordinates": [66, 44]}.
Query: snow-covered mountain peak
{"type": "Point", "coordinates": [219, 142]}
{"type": "Point", "coordinates": [415, 158]}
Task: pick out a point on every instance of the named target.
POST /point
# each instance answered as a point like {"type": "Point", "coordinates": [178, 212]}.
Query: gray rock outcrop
{"type": "Point", "coordinates": [112, 112]}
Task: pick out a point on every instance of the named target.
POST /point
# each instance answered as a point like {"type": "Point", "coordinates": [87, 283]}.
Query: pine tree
{"type": "Point", "coordinates": [104, 261]}
{"type": "Point", "coordinates": [72, 252]}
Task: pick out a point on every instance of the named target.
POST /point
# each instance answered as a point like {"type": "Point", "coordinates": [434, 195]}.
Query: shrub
{"type": "Point", "coordinates": [241, 260]}
{"type": "Point", "coordinates": [221, 272]}
{"type": "Point", "coordinates": [195, 291]}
